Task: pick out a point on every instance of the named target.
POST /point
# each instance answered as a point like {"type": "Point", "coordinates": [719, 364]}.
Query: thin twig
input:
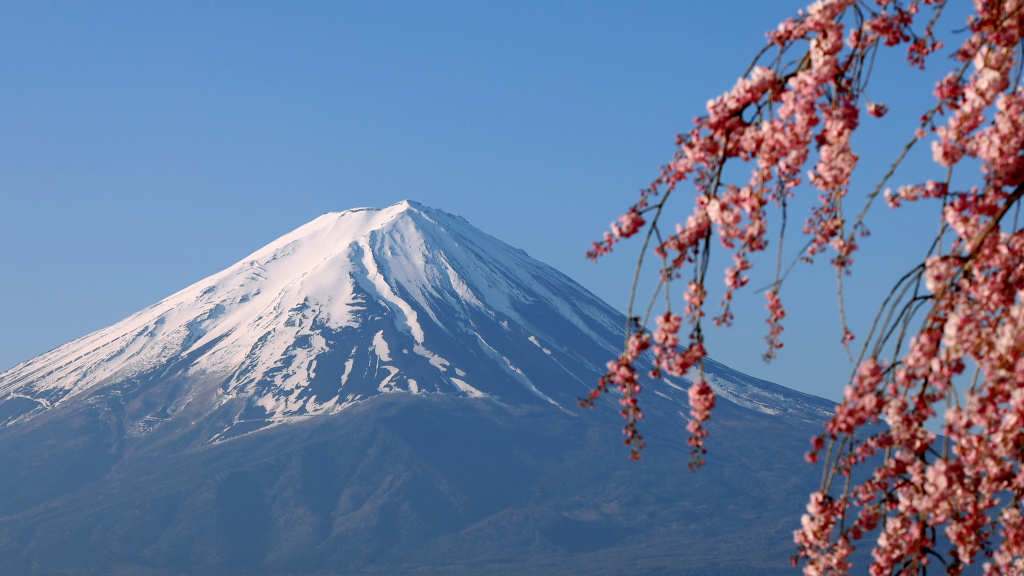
{"type": "Point", "coordinates": [842, 311]}
{"type": "Point", "coordinates": [639, 265]}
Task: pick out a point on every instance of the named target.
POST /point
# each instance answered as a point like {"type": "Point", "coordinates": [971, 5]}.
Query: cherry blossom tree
{"type": "Point", "coordinates": [790, 119]}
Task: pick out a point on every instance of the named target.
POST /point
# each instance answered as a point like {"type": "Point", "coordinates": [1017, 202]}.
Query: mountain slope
{"type": "Point", "coordinates": [380, 390]}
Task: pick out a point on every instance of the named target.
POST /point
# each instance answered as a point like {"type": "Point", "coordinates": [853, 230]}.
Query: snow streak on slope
{"type": "Point", "coordinates": [405, 299]}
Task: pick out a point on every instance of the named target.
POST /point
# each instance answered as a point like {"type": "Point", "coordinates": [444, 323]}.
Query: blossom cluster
{"type": "Point", "coordinates": [793, 123]}
{"type": "Point", "coordinates": [622, 375]}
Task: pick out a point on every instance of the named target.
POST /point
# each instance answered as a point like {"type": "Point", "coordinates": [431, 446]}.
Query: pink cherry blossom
{"type": "Point", "coordinates": [791, 120]}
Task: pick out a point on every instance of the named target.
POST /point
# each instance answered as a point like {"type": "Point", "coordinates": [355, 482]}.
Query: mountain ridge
{"type": "Point", "coordinates": [383, 391]}
{"type": "Point", "coordinates": [262, 326]}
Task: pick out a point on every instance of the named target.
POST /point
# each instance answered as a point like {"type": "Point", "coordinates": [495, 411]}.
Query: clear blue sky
{"type": "Point", "coordinates": [144, 145]}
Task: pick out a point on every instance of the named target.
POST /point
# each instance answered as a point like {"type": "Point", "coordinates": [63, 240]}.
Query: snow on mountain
{"type": "Point", "coordinates": [405, 299]}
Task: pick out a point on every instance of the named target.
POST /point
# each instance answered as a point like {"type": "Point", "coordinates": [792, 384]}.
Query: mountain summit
{"type": "Point", "coordinates": [381, 390]}
{"type": "Point", "coordinates": [353, 305]}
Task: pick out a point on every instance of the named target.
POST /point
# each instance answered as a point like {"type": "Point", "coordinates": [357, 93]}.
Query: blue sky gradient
{"type": "Point", "coordinates": [144, 146]}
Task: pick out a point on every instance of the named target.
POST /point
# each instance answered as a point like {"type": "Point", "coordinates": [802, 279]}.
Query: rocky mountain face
{"type": "Point", "coordinates": [383, 391]}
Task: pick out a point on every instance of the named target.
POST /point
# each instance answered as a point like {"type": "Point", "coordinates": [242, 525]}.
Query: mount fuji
{"type": "Point", "coordinates": [383, 391]}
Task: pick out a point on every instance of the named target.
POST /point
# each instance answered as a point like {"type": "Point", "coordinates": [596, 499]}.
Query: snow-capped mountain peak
{"type": "Point", "coordinates": [354, 304]}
